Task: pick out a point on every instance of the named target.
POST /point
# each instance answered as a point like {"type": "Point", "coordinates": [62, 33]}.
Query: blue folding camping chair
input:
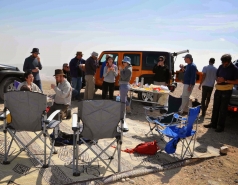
{"type": "Point", "coordinates": [165, 119]}
{"type": "Point", "coordinates": [183, 132]}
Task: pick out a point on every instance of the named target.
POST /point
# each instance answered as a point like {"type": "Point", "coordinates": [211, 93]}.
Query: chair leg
{"type": "Point", "coordinates": [75, 154]}
{"type": "Point", "coordinates": [5, 161]}
{"type": "Point", "coordinates": [44, 164]}
{"type": "Point", "coordinates": [99, 155]}
{"type": "Point", "coordinates": [119, 143]}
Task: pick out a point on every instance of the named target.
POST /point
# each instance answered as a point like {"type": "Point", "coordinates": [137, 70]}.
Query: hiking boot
{"type": "Point", "coordinates": [210, 126]}
{"type": "Point", "coordinates": [219, 129]}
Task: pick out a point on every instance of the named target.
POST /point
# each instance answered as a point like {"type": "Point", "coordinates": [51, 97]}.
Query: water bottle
{"type": "Point", "coordinates": [118, 98]}
{"type": "Point", "coordinates": [142, 82]}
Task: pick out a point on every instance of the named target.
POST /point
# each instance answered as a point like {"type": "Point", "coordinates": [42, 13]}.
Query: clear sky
{"type": "Point", "coordinates": [59, 28]}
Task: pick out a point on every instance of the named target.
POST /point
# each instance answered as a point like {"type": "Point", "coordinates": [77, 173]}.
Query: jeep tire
{"type": "Point", "coordinates": [7, 85]}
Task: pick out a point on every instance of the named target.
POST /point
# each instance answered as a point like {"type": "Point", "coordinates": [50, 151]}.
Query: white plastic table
{"type": "Point", "coordinates": [136, 90]}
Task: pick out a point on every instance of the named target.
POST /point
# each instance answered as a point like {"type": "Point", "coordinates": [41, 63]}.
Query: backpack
{"type": "Point", "coordinates": [148, 148]}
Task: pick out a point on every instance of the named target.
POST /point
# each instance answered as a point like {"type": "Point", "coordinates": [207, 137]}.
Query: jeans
{"type": "Point", "coordinates": [74, 93]}
{"type": "Point", "coordinates": [185, 98]}
{"type": "Point", "coordinates": [90, 87]}
{"type": "Point", "coordinates": [105, 87]}
{"type": "Point", "coordinates": [124, 88]}
{"type": "Point", "coordinates": [206, 96]}
{"type": "Point", "coordinates": [220, 105]}
{"type": "Point", "coordinates": [77, 84]}
{"type": "Point", "coordinates": [38, 83]}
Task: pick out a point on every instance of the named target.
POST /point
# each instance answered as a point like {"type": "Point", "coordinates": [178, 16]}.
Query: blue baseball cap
{"type": "Point", "coordinates": [127, 60]}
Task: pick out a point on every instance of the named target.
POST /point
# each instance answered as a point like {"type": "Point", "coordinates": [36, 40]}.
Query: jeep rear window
{"type": "Point", "coordinates": [151, 60]}
{"type": "Point", "coordinates": [114, 55]}
{"type": "Point", "coordinates": [135, 59]}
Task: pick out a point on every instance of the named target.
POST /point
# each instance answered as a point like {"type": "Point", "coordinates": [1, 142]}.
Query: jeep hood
{"type": "Point", "coordinates": [7, 67]}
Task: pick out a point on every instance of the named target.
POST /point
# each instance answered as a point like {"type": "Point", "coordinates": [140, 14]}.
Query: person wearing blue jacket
{"type": "Point", "coordinates": [189, 82]}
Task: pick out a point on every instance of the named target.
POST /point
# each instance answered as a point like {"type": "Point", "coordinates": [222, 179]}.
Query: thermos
{"type": "Point", "coordinates": [137, 80]}
{"type": "Point", "coordinates": [142, 82]}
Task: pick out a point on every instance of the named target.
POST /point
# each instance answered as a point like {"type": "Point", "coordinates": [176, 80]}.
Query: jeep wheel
{"type": "Point", "coordinates": [7, 85]}
{"type": "Point", "coordinates": [147, 97]}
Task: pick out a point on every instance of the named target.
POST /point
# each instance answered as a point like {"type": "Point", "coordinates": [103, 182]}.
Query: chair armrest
{"type": "Point", "coordinates": [75, 121]}
{"type": "Point", "coordinates": [155, 108]}
{"type": "Point", "coordinates": [50, 118]}
{"type": "Point", "coordinates": [165, 115]}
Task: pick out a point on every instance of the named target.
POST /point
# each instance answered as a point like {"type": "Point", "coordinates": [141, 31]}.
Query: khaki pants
{"type": "Point", "coordinates": [90, 87]}
{"type": "Point", "coordinates": [185, 98]}
{"type": "Point", "coordinates": [162, 99]}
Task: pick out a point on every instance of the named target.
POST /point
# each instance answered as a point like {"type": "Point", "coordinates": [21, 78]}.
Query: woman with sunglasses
{"type": "Point", "coordinates": [161, 77]}
{"type": "Point", "coordinates": [125, 77]}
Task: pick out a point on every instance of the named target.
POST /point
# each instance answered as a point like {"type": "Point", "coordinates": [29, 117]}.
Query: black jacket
{"type": "Point", "coordinates": [162, 74]}
{"type": "Point", "coordinates": [67, 75]}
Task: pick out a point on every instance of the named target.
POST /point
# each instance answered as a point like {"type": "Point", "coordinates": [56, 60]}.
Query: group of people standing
{"type": "Point", "coordinates": [226, 77]}
{"type": "Point", "coordinates": [69, 81]}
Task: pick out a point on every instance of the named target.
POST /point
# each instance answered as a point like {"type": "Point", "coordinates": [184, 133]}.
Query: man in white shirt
{"type": "Point", "coordinates": [63, 93]}
{"type": "Point", "coordinates": [207, 83]}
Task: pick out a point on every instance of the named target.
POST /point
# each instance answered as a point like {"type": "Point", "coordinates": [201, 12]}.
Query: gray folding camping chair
{"type": "Point", "coordinates": [28, 113]}
{"type": "Point", "coordinates": [100, 120]}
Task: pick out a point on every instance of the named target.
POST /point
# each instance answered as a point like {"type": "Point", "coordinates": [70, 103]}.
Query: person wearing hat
{"type": "Point", "coordinates": [66, 71]}
{"type": "Point", "coordinates": [63, 92]}
{"type": "Point", "coordinates": [161, 77]}
{"type": "Point", "coordinates": [76, 72]}
{"type": "Point", "coordinates": [226, 77]}
{"type": "Point", "coordinates": [125, 76]}
{"type": "Point", "coordinates": [207, 84]}
{"type": "Point", "coordinates": [33, 64]}
{"type": "Point", "coordinates": [90, 70]}
{"type": "Point", "coordinates": [188, 83]}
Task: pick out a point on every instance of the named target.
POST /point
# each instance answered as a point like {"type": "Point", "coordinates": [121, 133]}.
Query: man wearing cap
{"type": "Point", "coordinates": [33, 64]}
{"type": "Point", "coordinates": [189, 82]}
{"type": "Point", "coordinates": [226, 77]}
{"type": "Point", "coordinates": [207, 83]}
{"type": "Point", "coordinates": [90, 70]}
{"type": "Point", "coordinates": [76, 71]}
{"type": "Point", "coordinates": [62, 97]}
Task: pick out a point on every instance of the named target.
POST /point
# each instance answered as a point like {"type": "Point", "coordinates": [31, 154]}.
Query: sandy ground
{"type": "Point", "coordinates": [216, 171]}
